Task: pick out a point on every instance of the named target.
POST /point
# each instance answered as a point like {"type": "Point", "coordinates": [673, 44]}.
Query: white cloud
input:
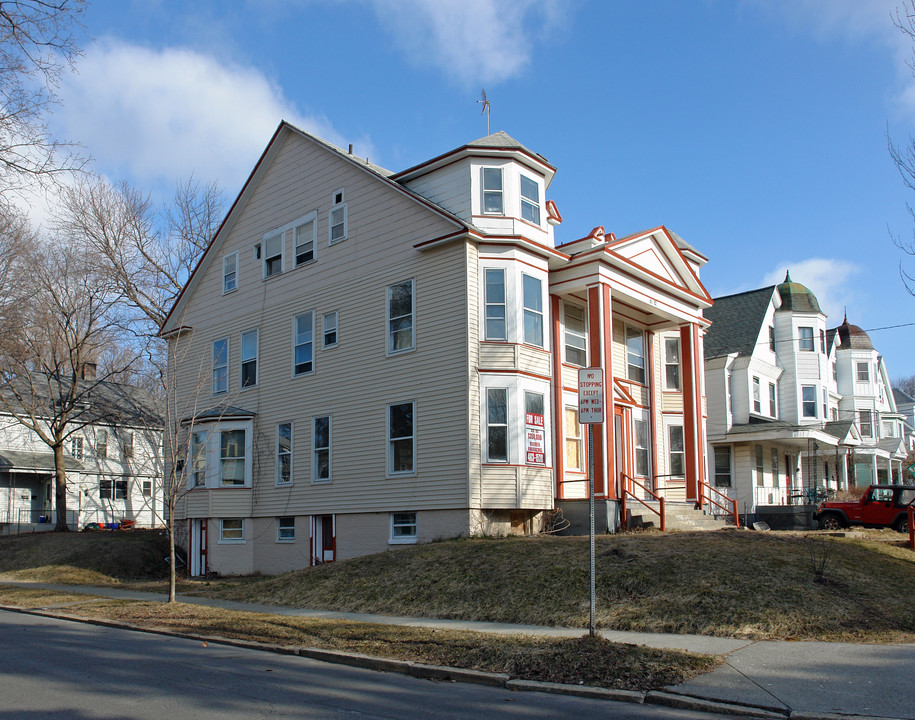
{"type": "Point", "coordinates": [156, 116]}
{"type": "Point", "coordinates": [472, 41]}
{"type": "Point", "coordinates": [828, 279]}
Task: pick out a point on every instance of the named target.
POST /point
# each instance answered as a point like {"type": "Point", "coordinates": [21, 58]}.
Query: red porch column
{"type": "Point", "coordinates": [559, 459]}
{"type": "Point", "coordinates": [600, 354]}
{"type": "Point", "coordinates": [693, 435]}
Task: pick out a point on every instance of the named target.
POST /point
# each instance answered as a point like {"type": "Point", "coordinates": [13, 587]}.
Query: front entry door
{"type": "Point", "coordinates": [621, 420]}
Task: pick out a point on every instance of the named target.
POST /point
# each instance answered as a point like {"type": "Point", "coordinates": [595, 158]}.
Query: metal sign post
{"type": "Point", "coordinates": [590, 413]}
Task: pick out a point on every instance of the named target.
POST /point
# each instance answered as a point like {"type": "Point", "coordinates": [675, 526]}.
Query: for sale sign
{"type": "Point", "coordinates": [590, 396]}
{"type": "Point", "coordinates": [535, 446]}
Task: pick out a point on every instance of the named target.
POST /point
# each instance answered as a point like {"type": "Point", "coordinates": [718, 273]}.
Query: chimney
{"type": "Point", "coordinates": [88, 370]}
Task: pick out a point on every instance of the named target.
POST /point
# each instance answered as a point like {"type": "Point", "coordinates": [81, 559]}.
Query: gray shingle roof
{"type": "Point", "coordinates": [736, 322]}
{"type": "Point", "coordinates": [901, 397]}
{"type": "Point", "coordinates": [38, 461]}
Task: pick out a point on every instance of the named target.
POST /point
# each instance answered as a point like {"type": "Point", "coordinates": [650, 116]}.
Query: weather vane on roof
{"type": "Point", "coordinates": [486, 107]}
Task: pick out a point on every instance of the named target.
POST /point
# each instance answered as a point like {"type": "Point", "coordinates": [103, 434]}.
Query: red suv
{"type": "Point", "coordinates": [880, 506]}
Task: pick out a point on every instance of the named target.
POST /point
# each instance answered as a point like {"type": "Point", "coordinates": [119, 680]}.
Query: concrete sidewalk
{"type": "Point", "coordinates": [796, 679]}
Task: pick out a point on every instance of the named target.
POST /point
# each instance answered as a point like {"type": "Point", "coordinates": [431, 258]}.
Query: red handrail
{"type": "Point", "coordinates": [627, 481]}
{"type": "Point", "coordinates": [704, 486]}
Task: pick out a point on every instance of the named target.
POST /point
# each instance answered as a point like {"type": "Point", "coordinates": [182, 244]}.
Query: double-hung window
{"type": "Point", "coordinates": [865, 423]}
{"type": "Point", "coordinates": [635, 355]}
{"type": "Point", "coordinates": [229, 272]}
{"type": "Point", "coordinates": [809, 400]}
{"type": "Point", "coordinates": [198, 458]}
{"type": "Point", "coordinates": [805, 338]}
{"type": "Point", "coordinates": [863, 370]}
{"type": "Point", "coordinates": [574, 456]}
{"type": "Point", "coordinates": [495, 303]}
{"type": "Point", "coordinates": [403, 527]}
{"type": "Point", "coordinates": [127, 444]}
{"type": "Point", "coordinates": [534, 428]}
{"type": "Point", "coordinates": [338, 221]}
{"type": "Point", "coordinates": [220, 366]}
{"type": "Point", "coordinates": [232, 457]}
{"type": "Point", "coordinates": [305, 240]}
{"type": "Point", "coordinates": [232, 530]}
{"type": "Point", "coordinates": [321, 449]}
{"type": "Point", "coordinates": [273, 254]}
{"type": "Point", "coordinates": [303, 360]}
{"type": "Point", "coordinates": [400, 317]}
{"type": "Point", "coordinates": [492, 191]}
{"type": "Point", "coordinates": [101, 443]}
{"type": "Point", "coordinates": [76, 447]}
{"type": "Point", "coordinates": [575, 338]}
{"type": "Point", "coordinates": [329, 326]}
{"type": "Point", "coordinates": [771, 341]}
{"type": "Point", "coordinates": [285, 529]}
{"type": "Point", "coordinates": [533, 310]}
{"type": "Point", "coordinates": [641, 448]}
{"type": "Point", "coordinates": [497, 425]}
{"type": "Point", "coordinates": [401, 439]}
{"type": "Point", "coordinates": [672, 363]}
{"type": "Point", "coordinates": [249, 358]}
{"type": "Point", "coordinates": [722, 466]}
{"type": "Point", "coordinates": [675, 450]}
{"type": "Point", "coordinates": [773, 408]}
{"type": "Point", "coordinates": [530, 200]}
{"type": "Point", "coordinates": [774, 459]}
{"type": "Point", "coordinates": [760, 467]}
{"type": "Point", "coordinates": [757, 401]}
{"type": "Point", "coordinates": [284, 453]}
{"type": "Point", "coordinates": [112, 489]}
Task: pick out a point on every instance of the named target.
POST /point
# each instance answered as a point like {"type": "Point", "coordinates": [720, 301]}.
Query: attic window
{"type": "Point", "coordinates": [530, 200]}
{"type": "Point", "coordinates": [338, 228]}
{"type": "Point", "coordinates": [492, 191]}
{"type": "Point", "coordinates": [273, 255]}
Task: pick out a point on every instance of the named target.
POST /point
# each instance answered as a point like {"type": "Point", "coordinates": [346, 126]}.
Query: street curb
{"type": "Point", "coordinates": [658, 697]}
{"type": "Point", "coordinates": [441, 672]}
{"type": "Point", "coordinates": [587, 691]}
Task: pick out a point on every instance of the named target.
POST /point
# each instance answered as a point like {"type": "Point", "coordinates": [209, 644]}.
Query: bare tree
{"type": "Point", "coordinates": [36, 44]}
{"type": "Point", "coordinates": [51, 345]}
{"type": "Point", "coordinates": [149, 253]}
{"type": "Point", "coordinates": [904, 155]}
{"type": "Point", "coordinates": [906, 384]}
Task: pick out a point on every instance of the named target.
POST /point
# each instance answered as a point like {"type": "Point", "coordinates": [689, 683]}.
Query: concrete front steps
{"type": "Point", "coordinates": [678, 516]}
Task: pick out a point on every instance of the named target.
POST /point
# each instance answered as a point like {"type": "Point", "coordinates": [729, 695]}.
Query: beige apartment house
{"type": "Point", "coordinates": [379, 358]}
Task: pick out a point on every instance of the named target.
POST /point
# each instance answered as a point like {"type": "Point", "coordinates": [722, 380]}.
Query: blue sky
{"type": "Point", "coordinates": [756, 129]}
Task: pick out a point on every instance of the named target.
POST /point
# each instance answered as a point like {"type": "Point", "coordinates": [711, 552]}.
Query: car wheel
{"type": "Point", "coordinates": [831, 521]}
{"type": "Point", "coordinates": [902, 524]}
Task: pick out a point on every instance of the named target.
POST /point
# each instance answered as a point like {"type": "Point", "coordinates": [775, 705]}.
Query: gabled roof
{"type": "Point", "coordinates": [104, 402]}
{"type": "Point", "coordinates": [736, 322]}
{"type": "Point", "coordinates": [901, 397]}
{"type": "Point", "coordinates": [43, 462]}
{"type": "Point", "coordinates": [845, 430]}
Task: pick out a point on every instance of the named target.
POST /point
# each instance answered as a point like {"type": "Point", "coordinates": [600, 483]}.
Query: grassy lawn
{"type": "Point", "coordinates": [589, 661]}
{"type": "Point", "coordinates": [727, 583]}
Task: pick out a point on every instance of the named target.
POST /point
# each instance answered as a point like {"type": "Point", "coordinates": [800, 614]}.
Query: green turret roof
{"type": "Point", "coordinates": [797, 297]}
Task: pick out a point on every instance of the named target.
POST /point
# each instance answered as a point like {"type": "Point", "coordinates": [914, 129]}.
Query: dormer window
{"type": "Point", "coordinates": [530, 200]}
{"type": "Point", "coordinates": [492, 191]}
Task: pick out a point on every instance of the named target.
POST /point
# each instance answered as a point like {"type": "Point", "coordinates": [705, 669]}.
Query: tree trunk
{"type": "Point", "coordinates": [170, 524]}
{"type": "Point", "coordinates": [60, 489]}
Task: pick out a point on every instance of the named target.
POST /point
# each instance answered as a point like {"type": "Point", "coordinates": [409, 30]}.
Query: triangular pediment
{"type": "Point", "coordinates": [656, 253]}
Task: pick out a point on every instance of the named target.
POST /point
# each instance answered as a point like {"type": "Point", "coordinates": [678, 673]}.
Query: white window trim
{"type": "Point", "coordinates": [330, 225]}
{"type": "Point", "coordinates": [281, 232]}
{"type": "Point", "coordinates": [815, 402]}
{"type": "Point", "coordinates": [525, 200]}
{"type": "Point", "coordinates": [389, 461]}
{"type": "Point", "coordinates": [242, 360]}
{"type": "Point", "coordinates": [801, 339]}
{"type": "Point", "coordinates": [296, 343]}
{"type": "Point", "coordinates": [215, 366]}
{"type": "Point", "coordinates": [544, 329]}
{"type": "Point", "coordinates": [276, 457]}
{"type": "Point", "coordinates": [231, 541]}
{"type": "Point", "coordinates": [336, 316]}
{"type": "Point", "coordinates": [517, 428]}
{"type": "Point", "coordinates": [645, 359]}
{"type": "Point", "coordinates": [330, 451]}
{"type": "Point", "coordinates": [668, 448]}
{"type": "Point", "coordinates": [487, 304]}
{"type": "Point", "coordinates": [311, 217]}
{"type": "Point", "coordinates": [225, 260]}
{"type": "Point", "coordinates": [286, 540]}
{"type": "Point", "coordinates": [508, 426]}
{"type": "Point", "coordinates": [212, 472]}
{"type": "Point", "coordinates": [583, 336]}
{"type": "Point", "coordinates": [666, 339]}
{"type": "Point", "coordinates": [389, 341]}
{"type": "Point", "coordinates": [404, 540]}
{"type": "Point", "coordinates": [483, 191]}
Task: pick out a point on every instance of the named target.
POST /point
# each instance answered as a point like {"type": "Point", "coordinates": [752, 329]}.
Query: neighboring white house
{"type": "Point", "coordinates": [785, 417]}
{"type": "Point", "coordinates": [393, 358]}
{"type": "Point", "coordinates": [113, 462]}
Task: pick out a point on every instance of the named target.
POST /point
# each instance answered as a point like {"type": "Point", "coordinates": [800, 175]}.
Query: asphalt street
{"type": "Point", "coordinates": [51, 668]}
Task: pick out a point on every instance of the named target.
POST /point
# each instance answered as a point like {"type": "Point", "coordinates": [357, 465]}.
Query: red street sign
{"type": "Point", "coordinates": [590, 396]}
